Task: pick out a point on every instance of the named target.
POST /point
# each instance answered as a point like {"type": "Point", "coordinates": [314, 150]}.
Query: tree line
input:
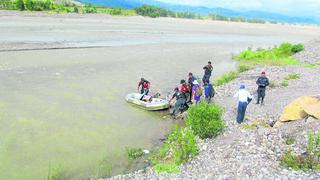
{"type": "Point", "coordinates": [145, 10]}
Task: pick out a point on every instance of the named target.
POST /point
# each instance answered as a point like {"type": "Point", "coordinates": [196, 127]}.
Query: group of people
{"type": "Point", "coordinates": [191, 92]}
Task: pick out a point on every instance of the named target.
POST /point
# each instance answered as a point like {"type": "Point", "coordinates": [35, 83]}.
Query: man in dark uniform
{"type": "Point", "coordinates": [262, 83]}
{"type": "Point", "coordinates": [207, 72]}
{"type": "Point", "coordinates": [180, 100]}
{"type": "Point", "coordinates": [191, 79]}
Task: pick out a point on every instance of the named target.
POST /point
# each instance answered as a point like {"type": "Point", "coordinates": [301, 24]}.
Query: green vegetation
{"type": "Point", "coordinates": [286, 80]}
{"type": "Point", "coordinates": [307, 161]}
{"type": "Point", "coordinates": [278, 56]}
{"type": "Point", "coordinates": [292, 76]}
{"type": "Point", "coordinates": [224, 79]}
{"type": "Point", "coordinates": [145, 10]}
{"type": "Point", "coordinates": [180, 146]}
{"type": "Point", "coordinates": [205, 120]}
{"type": "Point", "coordinates": [134, 153]}
{"type": "Point", "coordinates": [53, 7]}
{"type": "Point", "coordinates": [290, 141]}
{"type": "Point", "coordinates": [243, 67]}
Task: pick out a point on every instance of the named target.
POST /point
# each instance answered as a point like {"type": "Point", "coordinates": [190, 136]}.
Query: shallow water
{"type": "Point", "coordinates": [64, 110]}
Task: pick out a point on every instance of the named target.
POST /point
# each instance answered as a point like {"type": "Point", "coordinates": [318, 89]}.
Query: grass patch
{"type": "Point", "coordinates": [277, 56]}
{"type": "Point", "coordinates": [292, 76]}
{"type": "Point", "coordinates": [243, 67]}
{"type": "Point", "coordinates": [307, 161]}
{"type": "Point", "coordinates": [134, 153]}
{"type": "Point", "coordinates": [224, 79]}
{"type": "Point", "coordinates": [169, 168]}
{"type": "Point", "coordinates": [290, 141]}
{"type": "Point", "coordinates": [205, 120]}
{"type": "Point", "coordinates": [285, 81]}
{"type": "Point", "coordinates": [249, 126]}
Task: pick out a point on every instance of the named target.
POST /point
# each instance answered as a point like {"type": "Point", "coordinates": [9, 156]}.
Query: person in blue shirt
{"type": "Point", "coordinates": [209, 91]}
{"type": "Point", "coordinates": [244, 98]}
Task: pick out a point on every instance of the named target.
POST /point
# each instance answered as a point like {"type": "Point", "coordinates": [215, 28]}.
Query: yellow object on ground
{"type": "Point", "coordinates": [296, 109]}
{"type": "Point", "coordinates": [313, 110]}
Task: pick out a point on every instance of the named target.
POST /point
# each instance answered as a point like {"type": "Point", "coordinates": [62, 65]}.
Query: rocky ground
{"type": "Point", "coordinates": [253, 149]}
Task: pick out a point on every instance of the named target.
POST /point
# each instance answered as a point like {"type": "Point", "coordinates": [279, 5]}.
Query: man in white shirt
{"type": "Point", "coordinates": [244, 99]}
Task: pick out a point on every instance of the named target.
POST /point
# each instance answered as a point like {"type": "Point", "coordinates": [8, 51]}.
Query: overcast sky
{"type": "Point", "coordinates": [296, 8]}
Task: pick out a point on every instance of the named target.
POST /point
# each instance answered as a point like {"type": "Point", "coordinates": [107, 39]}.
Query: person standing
{"type": "Point", "coordinates": [244, 98]}
{"type": "Point", "coordinates": [207, 72]}
{"type": "Point", "coordinates": [209, 91]}
{"type": "Point", "coordinates": [196, 91]}
{"type": "Point", "coordinates": [262, 83]}
{"type": "Point", "coordinates": [145, 86]}
{"type": "Point", "coordinates": [191, 79]}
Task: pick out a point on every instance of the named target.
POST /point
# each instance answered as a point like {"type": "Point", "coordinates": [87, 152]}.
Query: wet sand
{"type": "Point", "coordinates": [66, 107]}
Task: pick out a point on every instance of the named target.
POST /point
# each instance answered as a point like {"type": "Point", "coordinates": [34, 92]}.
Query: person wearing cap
{"type": "Point", "coordinates": [145, 86]}
{"type": "Point", "coordinates": [262, 83]}
{"type": "Point", "coordinates": [196, 91]}
{"type": "Point", "coordinates": [207, 72]}
{"type": "Point", "coordinates": [191, 79]}
{"type": "Point", "coordinates": [244, 98]}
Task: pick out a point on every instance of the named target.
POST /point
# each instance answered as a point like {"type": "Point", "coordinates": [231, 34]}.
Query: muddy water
{"type": "Point", "coordinates": [63, 111]}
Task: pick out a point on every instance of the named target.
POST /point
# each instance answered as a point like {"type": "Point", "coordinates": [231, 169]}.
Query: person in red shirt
{"type": "Point", "coordinates": [145, 86]}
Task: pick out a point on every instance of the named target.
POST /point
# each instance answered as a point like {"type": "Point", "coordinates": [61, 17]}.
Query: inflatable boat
{"type": "Point", "coordinates": [151, 105]}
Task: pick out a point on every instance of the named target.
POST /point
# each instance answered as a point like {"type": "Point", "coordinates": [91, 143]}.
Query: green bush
{"type": "Point", "coordinates": [224, 79]}
{"type": "Point", "coordinates": [134, 153]}
{"type": "Point", "coordinates": [20, 5]}
{"type": "Point", "coordinates": [180, 146]}
{"type": "Point", "coordinates": [297, 48]}
{"type": "Point", "coordinates": [205, 120]}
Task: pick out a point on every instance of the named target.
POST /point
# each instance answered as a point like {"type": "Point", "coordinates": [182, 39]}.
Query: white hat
{"type": "Point", "coordinates": [195, 82]}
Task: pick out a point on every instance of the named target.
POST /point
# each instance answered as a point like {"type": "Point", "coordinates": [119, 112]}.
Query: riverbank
{"type": "Point", "coordinates": [253, 150]}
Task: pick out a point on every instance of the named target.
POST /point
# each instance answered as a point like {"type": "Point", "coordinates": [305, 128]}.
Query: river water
{"type": "Point", "coordinates": [63, 111]}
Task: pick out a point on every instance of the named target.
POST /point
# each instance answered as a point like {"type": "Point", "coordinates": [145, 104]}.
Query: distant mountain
{"type": "Point", "coordinates": [131, 4]}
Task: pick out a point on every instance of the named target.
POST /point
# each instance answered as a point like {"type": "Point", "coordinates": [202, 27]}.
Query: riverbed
{"type": "Point", "coordinates": [63, 110]}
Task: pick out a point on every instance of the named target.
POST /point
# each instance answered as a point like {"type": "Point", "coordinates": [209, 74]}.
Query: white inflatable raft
{"type": "Point", "coordinates": [154, 105]}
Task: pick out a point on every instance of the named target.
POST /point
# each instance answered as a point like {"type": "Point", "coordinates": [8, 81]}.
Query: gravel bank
{"type": "Point", "coordinates": [242, 153]}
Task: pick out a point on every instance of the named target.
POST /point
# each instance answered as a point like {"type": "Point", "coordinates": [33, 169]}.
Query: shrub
{"type": "Point", "coordinates": [134, 153]}
{"type": "Point", "coordinates": [205, 120]}
{"type": "Point", "coordinates": [20, 5]}
{"type": "Point", "coordinates": [297, 48]}
{"type": "Point", "coordinates": [226, 78]}
{"type": "Point", "coordinates": [180, 146]}
{"type": "Point", "coordinates": [307, 161]}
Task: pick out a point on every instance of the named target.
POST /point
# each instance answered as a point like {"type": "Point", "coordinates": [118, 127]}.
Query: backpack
{"type": "Point", "coordinates": [212, 91]}
{"type": "Point", "coordinates": [199, 91]}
